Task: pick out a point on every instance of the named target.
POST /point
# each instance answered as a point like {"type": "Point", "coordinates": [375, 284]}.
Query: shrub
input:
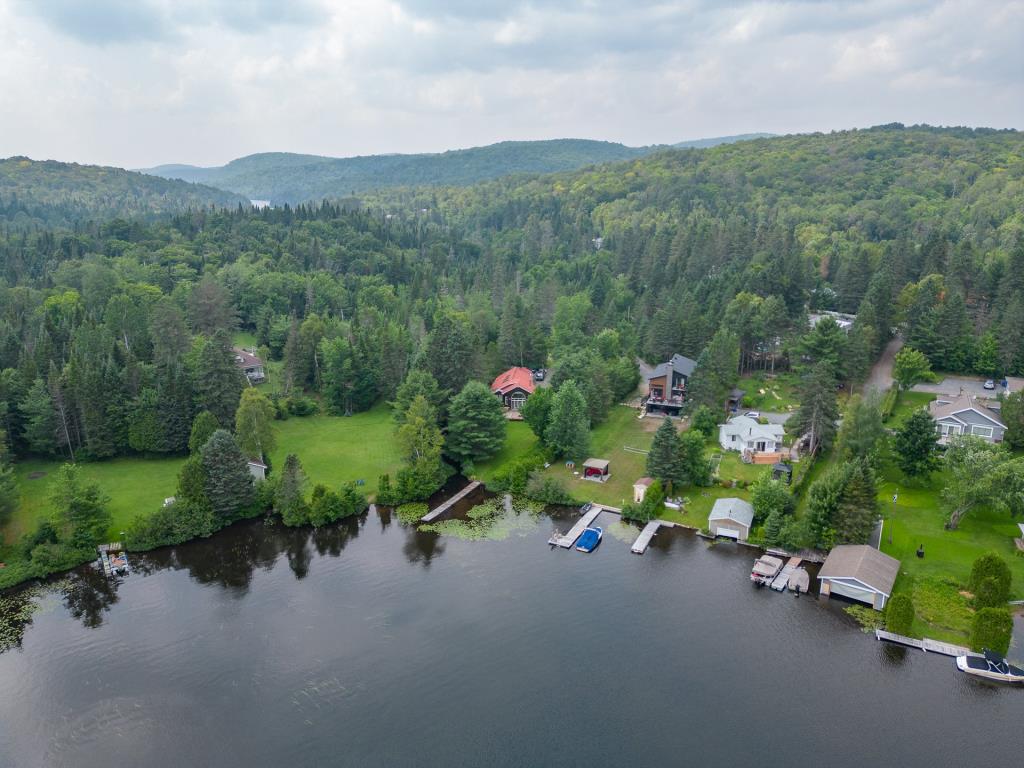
{"type": "Point", "coordinates": [990, 594]}
{"type": "Point", "coordinates": [704, 421]}
{"type": "Point", "coordinates": [300, 405]}
{"type": "Point", "coordinates": [992, 629]}
{"type": "Point", "coordinates": [650, 508]}
{"type": "Point", "coordinates": [899, 614]}
{"type": "Point", "coordinates": [991, 566]}
{"type": "Point", "coordinates": [513, 477]}
{"type": "Point", "coordinates": [549, 490]}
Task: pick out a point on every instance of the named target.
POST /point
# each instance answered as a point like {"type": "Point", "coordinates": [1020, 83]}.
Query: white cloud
{"type": "Point", "coordinates": [147, 81]}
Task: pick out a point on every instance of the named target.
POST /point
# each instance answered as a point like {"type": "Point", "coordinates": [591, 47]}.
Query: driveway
{"type": "Point", "coordinates": [971, 385]}
{"type": "Point", "coordinates": [880, 377]}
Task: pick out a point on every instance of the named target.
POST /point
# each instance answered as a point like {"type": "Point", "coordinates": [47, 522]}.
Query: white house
{"type": "Point", "coordinates": [744, 434]}
{"type": "Point", "coordinates": [732, 518]}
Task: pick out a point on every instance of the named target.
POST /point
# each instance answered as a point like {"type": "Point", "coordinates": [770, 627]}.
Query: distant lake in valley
{"type": "Point", "coordinates": [373, 644]}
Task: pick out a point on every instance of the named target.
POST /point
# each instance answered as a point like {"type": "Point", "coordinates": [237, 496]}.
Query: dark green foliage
{"type": "Point", "coordinates": [586, 368]}
{"type": "Point", "coordinates": [857, 512]}
{"type": "Point", "coordinates": [289, 499]}
{"type": "Point", "coordinates": [10, 494]}
{"type": "Point", "coordinates": [547, 489]}
{"type": "Point", "coordinates": [1012, 415]}
{"type": "Point", "coordinates": [80, 509]}
{"type": "Point", "coordinates": [824, 497]}
{"type": "Point", "coordinates": [40, 419]}
{"type": "Point", "coordinates": [717, 370]}
{"type": "Point", "coordinates": [203, 427]}
{"type": "Point", "coordinates": [568, 431]}
{"type": "Point", "coordinates": [254, 421]}
{"type": "Point", "coordinates": [652, 506]}
{"type": "Point", "coordinates": [694, 465]}
{"type": "Point", "coordinates": [769, 497]}
{"type": "Point", "coordinates": [349, 381]}
{"type": "Point", "coordinates": [705, 421]}
{"type": "Point", "coordinates": [663, 461]}
{"type": "Point", "coordinates": [513, 476]}
{"type": "Point", "coordinates": [327, 506]}
{"type": "Point", "coordinates": [536, 411]}
{"type": "Point", "coordinates": [826, 346]}
{"type": "Point", "coordinates": [419, 382]}
{"type": "Point", "coordinates": [229, 486]}
{"type": "Point", "coordinates": [219, 382]}
{"type": "Point", "coordinates": [992, 630]}
{"type": "Point", "coordinates": [450, 351]}
{"type": "Point", "coordinates": [171, 524]}
{"type": "Point", "coordinates": [899, 614]}
{"type": "Point", "coordinates": [476, 424]}
{"type": "Point", "coordinates": [990, 581]}
{"type": "Point", "coordinates": [145, 427]}
{"type": "Point", "coordinates": [915, 445]}
{"type": "Point", "coordinates": [818, 410]}
{"type": "Point", "coordinates": [862, 432]}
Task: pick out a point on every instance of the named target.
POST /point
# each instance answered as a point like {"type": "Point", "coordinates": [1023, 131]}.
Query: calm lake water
{"type": "Point", "coordinates": [370, 644]}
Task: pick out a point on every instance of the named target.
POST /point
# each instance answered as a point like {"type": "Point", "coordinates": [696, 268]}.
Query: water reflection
{"type": "Point", "coordinates": [88, 594]}
{"type": "Point", "coordinates": [422, 546]}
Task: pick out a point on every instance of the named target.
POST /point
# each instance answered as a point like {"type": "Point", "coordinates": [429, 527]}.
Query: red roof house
{"type": "Point", "coordinates": [513, 387]}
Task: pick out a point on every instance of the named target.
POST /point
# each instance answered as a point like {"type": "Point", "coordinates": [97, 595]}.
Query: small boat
{"type": "Point", "coordinates": [991, 666]}
{"type": "Point", "coordinates": [113, 559]}
{"type": "Point", "coordinates": [586, 507]}
{"type": "Point", "coordinates": [765, 569]}
{"type": "Point", "coordinates": [589, 539]}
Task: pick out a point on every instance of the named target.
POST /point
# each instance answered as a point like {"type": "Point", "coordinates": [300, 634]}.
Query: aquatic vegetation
{"type": "Point", "coordinates": [411, 513]}
{"type": "Point", "coordinates": [487, 520]}
{"type": "Point", "coordinates": [868, 618]}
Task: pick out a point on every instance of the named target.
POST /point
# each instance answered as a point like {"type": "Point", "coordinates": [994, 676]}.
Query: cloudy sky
{"type": "Point", "coordinates": [140, 82]}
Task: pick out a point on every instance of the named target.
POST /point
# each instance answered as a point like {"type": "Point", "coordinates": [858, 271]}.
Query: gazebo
{"type": "Point", "coordinates": [596, 469]}
{"type": "Point", "coordinates": [781, 471]}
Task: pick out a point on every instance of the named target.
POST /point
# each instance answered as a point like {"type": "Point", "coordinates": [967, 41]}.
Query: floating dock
{"type": "Point", "coordinates": [926, 645]}
{"type": "Point", "coordinates": [436, 512]}
{"type": "Point", "coordinates": [800, 581]}
{"type": "Point", "coordinates": [644, 539]}
{"type": "Point", "coordinates": [113, 559]}
{"type": "Point", "coordinates": [566, 540]}
{"type": "Point", "coordinates": [782, 580]}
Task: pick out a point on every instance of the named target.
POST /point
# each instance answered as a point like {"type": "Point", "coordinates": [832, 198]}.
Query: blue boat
{"type": "Point", "coordinates": [589, 539]}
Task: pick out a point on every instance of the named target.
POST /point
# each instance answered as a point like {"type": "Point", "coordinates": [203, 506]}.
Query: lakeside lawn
{"type": "Point", "coordinates": [519, 441]}
{"type": "Point", "coordinates": [134, 485]}
{"type": "Point", "coordinates": [336, 449]}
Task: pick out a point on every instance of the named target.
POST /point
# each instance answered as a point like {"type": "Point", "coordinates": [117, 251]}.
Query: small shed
{"type": "Point", "coordinates": [732, 518]}
{"type": "Point", "coordinates": [781, 471]}
{"type": "Point", "coordinates": [596, 469]}
{"type": "Point", "coordinates": [859, 572]}
{"type": "Point", "coordinates": [735, 399]}
{"type": "Point", "coordinates": [640, 489]}
{"type": "Point", "coordinates": [257, 469]}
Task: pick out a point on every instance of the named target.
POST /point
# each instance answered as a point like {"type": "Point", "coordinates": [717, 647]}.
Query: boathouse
{"type": "Point", "coordinates": [859, 572]}
{"type": "Point", "coordinates": [732, 518]}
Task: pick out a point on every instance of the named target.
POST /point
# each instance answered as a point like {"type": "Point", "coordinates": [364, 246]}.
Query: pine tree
{"type": "Point", "coordinates": [289, 499]}
{"type": "Point", "coordinates": [663, 460]}
{"type": "Point", "coordinates": [419, 382]}
{"type": "Point", "coordinates": [694, 465]}
{"type": "Point", "coordinates": [857, 512]}
{"type": "Point", "coordinates": [536, 411]}
{"type": "Point", "coordinates": [476, 424]}
{"type": "Point", "coordinates": [717, 369]}
{"type": "Point", "coordinates": [862, 431]}
{"type": "Point", "coordinates": [818, 408]}
{"type": "Point", "coordinates": [80, 507]}
{"type": "Point", "coordinates": [1012, 415]}
{"type": "Point", "coordinates": [704, 421]}
{"type": "Point", "coordinates": [229, 485]}
{"type": "Point", "coordinates": [145, 431]}
{"type": "Point", "coordinates": [219, 382]}
{"type": "Point", "coordinates": [174, 407]}
{"type": "Point", "coordinates": [192, 485]}
{"type": "Point", "coordinates": [349, 384]}
{"type": "Point", "coordinates": [568, 432]}
{"type": "Point", "coordinates": [449, 354]}
{"type": "Point", "coordinates": [40, 419]}
{"type": "Point", "coordinates": [916, 444]}
{"type": "Point", "coordinates": [203, 427]}
{"type": "Point", "coordinates": [254, 424]}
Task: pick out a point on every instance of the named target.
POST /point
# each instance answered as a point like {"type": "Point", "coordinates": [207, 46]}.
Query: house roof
{"type": "Point", "coordinates": [256, 463]}
{"type": "Point", "coordinates": [945, 409]}
{"type": "Point", "coordinates": [246, 359]}
{"type": "Point", "coordinates": [684, 365]}
{"type": "Point", "coordinates": [601, 464]}
{"type": "Point", "coordinates": [513, 378]}
{"type": "Point", "coordinates": [865, 564]}
{"type": "Point", "coordinates": [643, 481]}
{"type": "Point", "coordinates": [747, 428]}
{"type": "Point", "coordinates": [733, 509]}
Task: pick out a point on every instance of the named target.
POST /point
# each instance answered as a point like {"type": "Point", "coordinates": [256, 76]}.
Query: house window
{"type": "Point", "coordinates": [949, 429]}
{"type": "Point", "coordinates": [516, 401]}
{"type": "Point", "coordinates": [981, 431]}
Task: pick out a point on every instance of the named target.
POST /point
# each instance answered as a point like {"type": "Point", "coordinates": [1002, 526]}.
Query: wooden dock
{"type": "Point", "coordinates": [782, 580]}
{"type": "Point", "coordinates": [644, 539]}
{"type": "Point", "coordinates": [436, 512]}
{"type": "Point", "coordinates": [566, 540]}
{"type": "Point", "coordinates": [926, 645]}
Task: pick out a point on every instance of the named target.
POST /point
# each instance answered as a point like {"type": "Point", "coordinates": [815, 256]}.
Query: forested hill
{"type": "Point", "coordinates": [55, 194]}
{"type": "Point", "coordinates": [282, 177]}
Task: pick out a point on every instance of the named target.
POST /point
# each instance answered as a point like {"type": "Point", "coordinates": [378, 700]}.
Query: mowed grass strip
{"type": "Point", "coordinates": [338, 449]}
{"type": "Point", "coordinates": [519, 442]}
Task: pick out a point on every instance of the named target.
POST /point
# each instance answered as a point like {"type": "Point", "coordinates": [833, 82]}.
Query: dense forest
{"type": "Point", "coordinates": [115, 334]}
{"type": "Point", "coordinates": [54, 194]}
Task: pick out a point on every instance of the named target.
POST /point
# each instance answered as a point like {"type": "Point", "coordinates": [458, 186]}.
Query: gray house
{"type": "Point", "coordinates": [965, 415]}
{"type": "Point", "coordinates": [732, 518]}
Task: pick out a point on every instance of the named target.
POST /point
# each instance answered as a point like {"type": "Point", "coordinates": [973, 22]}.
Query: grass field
{"type": "Point", "coordinates": [519, 441]}
{"type": "Point", "coordinates": [134, 485]}
{"type": "Point", "coordinates": [336, 449]}
{"type": "Point", "coordinates": [770, 393]}
{"type": "Point", "coordinates": [906, 404]}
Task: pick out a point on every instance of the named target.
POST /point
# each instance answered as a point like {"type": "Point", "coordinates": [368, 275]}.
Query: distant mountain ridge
{"type": "Point", "coordinates": [284, 177]}
{"type": "Point", "coordinates": [54, 193]}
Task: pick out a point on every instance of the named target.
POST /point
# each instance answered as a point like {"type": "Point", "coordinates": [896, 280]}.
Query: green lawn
{"type": "Point", "coordinates": [134, 486]}
{"type": "Point", "coordinates": [609, 440]}
{"type": "Point", "coordinates": [519, 441]}
{"type": "Point", "coordinates": [765, 392]}
{"type": "Point", "coordinates": [336, 449]}
{"type": "Point", "coordinates": [906, 404]}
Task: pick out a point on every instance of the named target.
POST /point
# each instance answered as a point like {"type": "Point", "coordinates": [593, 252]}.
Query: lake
{"type": "Point", "coordinates": [372, 644]}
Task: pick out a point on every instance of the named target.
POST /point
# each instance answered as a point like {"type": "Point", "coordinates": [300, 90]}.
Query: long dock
{"type": "Point", "coordinates": [566, 540]}
{"type": "Point", "coordinates": [926, 645]}
{"type": "Point", "coordinates": [782, 580]}
{"type": "Point", "coordinates": [436, 512]}
{"type": "Point", "coordinates": [644, 539]}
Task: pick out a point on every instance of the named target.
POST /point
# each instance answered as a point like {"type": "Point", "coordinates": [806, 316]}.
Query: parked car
{"type": "Point", "coordinates": [989, 384]}
{"type": "Point", "coordinates": [753, 414]}
{"type": "Point", "coordinates": [539, 374]}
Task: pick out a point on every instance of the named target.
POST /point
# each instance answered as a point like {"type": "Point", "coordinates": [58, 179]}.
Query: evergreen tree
{"type": "Point", "coordinates": [289, 497]}
{"type": "Point", "coordinates": [818, 410]}
{"type": "Point", "coordinates": [717, 369]}
{"type": "Point", "coordinates": [417, 383]}
{"type": "Point", "coordinates": [174, 407]}
{"type": "Point", "coordinates": [823, 499]}
{"type": "Point", "coordinates": [857, 513]}
{"type": "Point", "coordinates": [1012, 414]}
{"type": "Point", "coordinates": [449, 354]}
{"type": "Point", "coordinates": [80, 508]}
{"type": "Point", "coordinates": [349, 383]}
{"type": "Point", "coordinates": [862, 431]}
{"type": "Point", "coordinates": [203, 427]}
{"type": "Point", "coordinates": [254, 424]}
{"type": "Point", "coordinates": [825, 345]}
{"type": "Point", "coordinates": [476, 424]}
{"type": "Point", "coordinates": [694, 465]}
{"type": "Point", "coordinates": [228, 481]}
{"type": "Point", "coordinates": [192, 485]}
{"type": "Point", "coordinates": [916, 444]}
{"type": "Point", "coordinates": [704, 421]}
{"type": "Point", "coordinates": [219, 382]}
{"type": "Point", "coordinates": [145, 430]}
{"type": "Point", "coordinates": [209, 308]}
{"type": "Point", "coordinates": [568, 432]}
{"type": "Point", "coordinates": [421, 442]}
{"type": "Point", "coordinates": [536, 411]}
{"type": "Point", "coordinates": [40, 419]}
{"type": "Point", "coordinates": [663, 460]}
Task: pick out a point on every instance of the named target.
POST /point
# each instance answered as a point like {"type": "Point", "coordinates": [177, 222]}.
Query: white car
{"type": "Point", "coordinates": [989, 384]}
{"type": "Point", "coordinates": [753, 414]}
